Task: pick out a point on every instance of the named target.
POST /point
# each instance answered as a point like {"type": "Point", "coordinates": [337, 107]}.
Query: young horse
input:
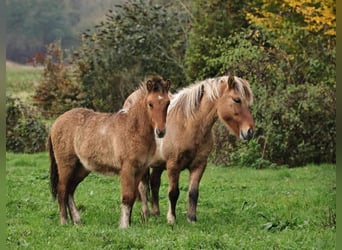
{"type": "Point", "coordinates": [191, 116]}
{"type": "Point", "coordinates": [82, 141]}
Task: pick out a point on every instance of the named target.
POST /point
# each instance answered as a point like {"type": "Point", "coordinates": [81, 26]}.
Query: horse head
{"type": "Point", "coordinates": [233, 107]}
{"type": "Point", "coordinates": [157, 103]}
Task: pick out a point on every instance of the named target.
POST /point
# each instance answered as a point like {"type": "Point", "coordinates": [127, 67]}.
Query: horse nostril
{"type": "Point", "coordinates": [250, 133]}
{"type": "Point", "coordinates": [247, 135]}
{"type": "Point", "coordinates": [160, 133]}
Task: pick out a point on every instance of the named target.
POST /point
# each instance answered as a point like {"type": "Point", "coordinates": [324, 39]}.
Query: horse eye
{"type": "Point", "coordinates": [237, 100]}
{"type": "Point", "coordinates": [150, 105]}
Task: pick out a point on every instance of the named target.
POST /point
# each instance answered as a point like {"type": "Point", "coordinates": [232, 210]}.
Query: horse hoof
{"type": "Point", "coordinates": [171, 219]}
{"type": "Point", "coordinates": [156, 213]}
{"type": "Point", "coordinates": [123, 226]}
{"type": "Point", "coordinates": [78, 223]}
{"type": "Point", "coordinates": [63, 221]}
{"type": "Point", "coordinates": [144, 216]}
{"type": "Point", "coordinates": [192, 221]}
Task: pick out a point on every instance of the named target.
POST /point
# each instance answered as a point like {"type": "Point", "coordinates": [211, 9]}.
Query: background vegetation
{"type": "Point", "coordinates": [286, 49]}
{"type": "Point", "coordinates": [31, 25]}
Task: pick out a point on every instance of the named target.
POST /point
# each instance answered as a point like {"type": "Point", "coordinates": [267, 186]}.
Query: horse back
{"type": "Point", "coordinates": [101, 141]}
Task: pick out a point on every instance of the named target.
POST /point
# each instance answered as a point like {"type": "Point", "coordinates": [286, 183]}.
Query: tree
{"type": "Point", "coordinates": [287, 52]}
{"type": "Point", "coordinates": [315, 15]}
{"type": "Point", "coordinates": [136, 39]}
{"type": "Point", "coordinates": [32, 24]}
{"type": "Point", "coordinates": [211, 21]}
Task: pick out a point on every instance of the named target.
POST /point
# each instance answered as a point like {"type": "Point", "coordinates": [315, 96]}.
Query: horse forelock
{"type": "Point", "coordinates": [188, 99]}
{"type": "Point", "coordinates": [158, 84]}
{"type": "Point", "coordinates": [243, 88]}
{"type": "Point", "coordinates": [142, 91]}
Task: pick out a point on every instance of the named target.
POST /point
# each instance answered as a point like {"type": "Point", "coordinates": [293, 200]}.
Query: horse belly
{"type": "Point", "coordinates": [98, 157]}
{"type": "Point", "coordinates": [105, 168]}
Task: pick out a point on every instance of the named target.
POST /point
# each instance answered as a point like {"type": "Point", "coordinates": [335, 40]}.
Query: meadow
{"type": "Point", "coordinates": [239, 208]}
{"type": "Point", "coordinates": [21, 80]}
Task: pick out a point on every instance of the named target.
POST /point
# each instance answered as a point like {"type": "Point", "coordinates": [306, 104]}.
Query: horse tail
{"type": "Point", "coordinates": [53, 168]}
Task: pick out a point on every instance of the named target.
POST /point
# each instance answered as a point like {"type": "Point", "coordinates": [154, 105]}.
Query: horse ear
{"type": "Point", "coordinates": [149, 85]}
{"type": "Point", "coordinates": [167, 84]}
{"type": "Point", "coordinates": [231, 82]}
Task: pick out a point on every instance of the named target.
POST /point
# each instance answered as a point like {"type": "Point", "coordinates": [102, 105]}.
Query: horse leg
{"type": "Point", "coordinates": [173, 176]}
{"type": "Point", "coordinates": [195, 178]}
{"type": "Point", "coordinates": [65, 173]}
{"type": "Point", "coordinates": [78, 175]}
{"type": "Point", "coordinates": [143, 191]}
{"type": "Point", "coordinates": [62, 202]}
{"type": "Point", "coordinates": [129, 186]}
{"type": "Point", "coordinates": [155, 186]}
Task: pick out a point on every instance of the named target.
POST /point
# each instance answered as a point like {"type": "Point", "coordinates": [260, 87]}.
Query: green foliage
{"type": "Point", "coordinates": [289, 64]}
{"type": "Point", "coordinates": [59, 89]}
{"type": "Point", "coordinates": [136, 39]}
{"type": "Point", "coordinates": [211, 22]}
{"type": "Point", "coordinates": [24, 131]}
{"type": "Point", "coordinates": [249, 155]}
{"type": "Point", "coordinates": [292, 75]}
{"type": "Point", "coordinates": [239, 208]}
{"type": "Point", "coordinates": [302, 127]}
{"type": "Point", "coordinates": [230, 151]}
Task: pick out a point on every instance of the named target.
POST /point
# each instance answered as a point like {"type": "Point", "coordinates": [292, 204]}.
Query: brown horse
{"type": "Point", "coordinates": [82, 141]}
{"type": "Point", "coordinates": [191, 116]}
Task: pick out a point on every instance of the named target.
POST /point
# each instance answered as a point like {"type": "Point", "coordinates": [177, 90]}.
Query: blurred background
{"type": "Point", "coordinates": [93, 53]}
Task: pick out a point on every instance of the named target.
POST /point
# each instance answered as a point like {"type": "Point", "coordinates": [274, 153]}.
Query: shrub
{"type": "Point", "coordinates": [59, 90]}
{"type": "Point", "coordinates": [24, 131]}
{"type": "Point", "coordinates": [230, 151]}
{"type": "Point", "coordinates": [136, 39]}
{"type": "Point", "coordinates": [300, 125]}
{"type": "Point", "coordinates": [294, 110]}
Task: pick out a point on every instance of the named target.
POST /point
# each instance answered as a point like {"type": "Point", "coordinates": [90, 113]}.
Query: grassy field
{"type": "Point", "coordinates": [20, 80]}
{"type": "Point", "coordinates": [239, 208]}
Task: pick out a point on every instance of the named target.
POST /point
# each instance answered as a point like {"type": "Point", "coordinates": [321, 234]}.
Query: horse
{"type": "Point", "coordinates": [189, 141]}
{"type": "Point", "coordinates": [83, 141]}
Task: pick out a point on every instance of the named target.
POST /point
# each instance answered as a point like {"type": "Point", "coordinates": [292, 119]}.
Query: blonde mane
{"type": "Point", "coordinates": [188, 99]}
{"type": "Point", "coordinates": [137, 95]}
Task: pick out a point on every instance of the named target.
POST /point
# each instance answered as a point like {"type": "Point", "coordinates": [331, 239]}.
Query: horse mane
{"type": "Point", "coordinates": [141, 92]}
{"type": "Point", "coordinates": [188, 99]}
{"type": "Point", "coordinates": [135, 97]}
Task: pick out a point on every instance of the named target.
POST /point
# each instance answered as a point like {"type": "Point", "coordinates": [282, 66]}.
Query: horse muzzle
{"type": "Point", "coordinates": [247, 135]}
{"type": "Point", "coordinates": [160, 132]}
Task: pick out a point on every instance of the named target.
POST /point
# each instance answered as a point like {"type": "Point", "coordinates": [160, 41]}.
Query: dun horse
{"type": "Point", "coordinates": [82, 141]}
{"type": "Point", "coordinates": [191, 116]}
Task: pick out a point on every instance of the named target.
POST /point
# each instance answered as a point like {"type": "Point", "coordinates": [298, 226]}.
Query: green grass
{"type": "Point", "coordinates": [20, 81]}
{"type": "Point", "coordinates": [239, 208]}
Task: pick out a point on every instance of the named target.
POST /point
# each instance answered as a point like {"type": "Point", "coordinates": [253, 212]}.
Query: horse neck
{"type": "Point", "coordinates": [137, 116]}
{"type": "Point", "coordinates": [206, 115]}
